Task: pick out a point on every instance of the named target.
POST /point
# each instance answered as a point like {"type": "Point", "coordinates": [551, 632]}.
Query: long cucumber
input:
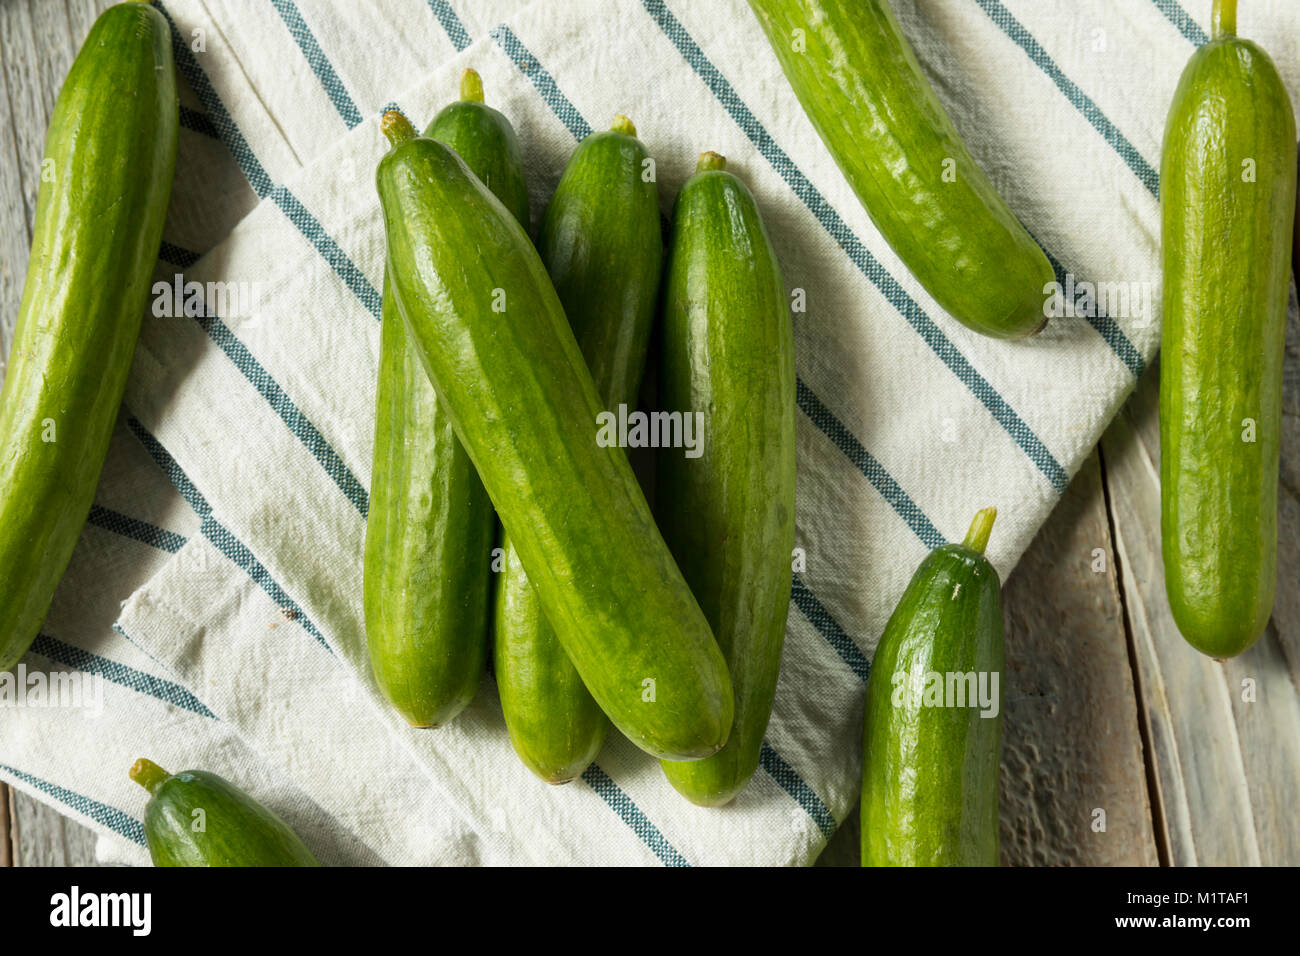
{"type": "Point", "coordinates": [430, 528]}
{"type": "Point", "coordinates": [861, 85]}
{"type": "Point", "coordinates": [106, 178]}
{"type": "Point", "coordinates": [494, 338]}
{"type": "Point", "coordinates": [727, 359]}
{"type": "Point", "coordinates": [601, 244]}
{"type": "Point", "coordinates": [1228, 202]}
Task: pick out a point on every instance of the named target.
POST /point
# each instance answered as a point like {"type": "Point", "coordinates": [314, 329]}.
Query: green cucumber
{"type": "Point", "coordinates": [931, 747]}
{"type": "Point", "coordinates": [493, 336]}
{"type": "Point", "coordinates": [601, 243]}
{"type": "Point", "coordinates": [1228, 203]}
{"type": "Point", "coordinates": [486, 141]}
{"type": "Point", "coordinates": [727, 356]}
{"type": "Point", "coordinates": [860, 83]}
{"type": "Point", "coordinates": [195, 818]}
{"type": "Point", "coordinates": [430, 528]}
{"type": "Point", "coordinates": [105, 181]}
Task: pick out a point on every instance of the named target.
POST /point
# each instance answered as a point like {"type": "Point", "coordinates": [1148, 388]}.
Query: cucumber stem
{"type": "Point", "coordinates": [977, 538]}
{"type": "Point", "coordinates": [397, 128]}
{"type": "Point", "coordinates": [710, 160]}
{"type": "Point", "coordinates": [471, 86]}
{"type": "Point", "coordinates": [623, 125]}
{"type": "Point", "coordinates": [148, 774]}
{"type": "Point", "coordinates": [1223, 19]}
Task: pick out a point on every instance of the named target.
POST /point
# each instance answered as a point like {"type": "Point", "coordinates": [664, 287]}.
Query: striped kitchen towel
{"type": "Point", "coordinates": [261, 413]}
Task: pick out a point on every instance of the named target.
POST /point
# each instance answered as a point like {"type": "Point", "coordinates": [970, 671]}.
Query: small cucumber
{"type": "Point", "coordinates": [486, 141]}
{"type": "Point", "coordinates": [727, 357]}
{"type": "Point", "coordinates": [106, 178]}
{"type": "Point", "coordinates": [1228, 203]}
{"type": "Point", "coordinates": [430, 528]}
{"type": "Point", "coordinates": [930, 745]}
{"type": "Point", "coordinates": [601, 243]}
{"type": "Point", "coordinates": [195, 818]}
{"type": "Point", "coordinates": [860, 83]}
{"type": "Point", "coordinates": [495, 341]}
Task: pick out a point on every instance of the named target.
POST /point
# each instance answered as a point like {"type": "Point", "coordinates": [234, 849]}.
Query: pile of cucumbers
{"type": "Point", "coordinates": [503, 534]}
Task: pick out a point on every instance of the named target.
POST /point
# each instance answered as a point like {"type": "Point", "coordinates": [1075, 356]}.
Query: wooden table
{"type": "Point", "coordinates": [1122, 745]}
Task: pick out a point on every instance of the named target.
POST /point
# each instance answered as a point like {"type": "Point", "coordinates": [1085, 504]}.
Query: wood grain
{"type": "Point", "coordinates": [1074, 789]}
{"type": "Point", "coordinates": [6, 836]}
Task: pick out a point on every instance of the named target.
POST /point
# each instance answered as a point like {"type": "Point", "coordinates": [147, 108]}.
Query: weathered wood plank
{"type": "Point", "coordinates": [44, 837]}
{"type": "Point", "coordinates": [1074, 789]}
{"type": "Point", "coordinates": [6, 837]}
{"type": "Point", "coordinates": [1071, 734]}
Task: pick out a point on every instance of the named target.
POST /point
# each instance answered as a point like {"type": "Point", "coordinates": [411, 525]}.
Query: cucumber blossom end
{"type": "Point", "coordinates": [471, 86]}
{"type": "Point", "coordinates": [977, 538]}
{"type": "Point", "coordinates": [397, 128]}
{"type": "Point", "coordinates": [1223, 19]}
{"type": "Point", "coordinates": [148, 774]}
{"type": "Point", "coordinates": [710, 160]}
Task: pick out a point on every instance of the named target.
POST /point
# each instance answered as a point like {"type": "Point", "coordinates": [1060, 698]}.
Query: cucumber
{"type": "Point", "coordinates": [430, 528]}
{"type": "Point", "coordinates": [1227, 249]}
{"type": "Point", "coordinates": [493, 336]}
{"type": "Point", "coordinates": [930, 773]}
{"type": "Point", "coordinates": [106, 177]}
{"type": "Point", "coordinates": [601, 243]}
{"type": "Point", "coordinates": [727, 352]}
{"type": "Point", "coordinates": [863, 90]}
{"type": "Point", "coordinates": [485, 140]}
{"type": "Point", "coordinates": [195, 818]}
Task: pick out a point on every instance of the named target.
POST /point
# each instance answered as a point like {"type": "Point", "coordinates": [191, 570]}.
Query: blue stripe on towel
{"type": "Point", "coordinates": [1184, 21]}
{"type": "Point", "coordinates": [111, 817]}
{"type": "Point", "coordinates": [813, 609]}
{"type": "Point", "coordinates": [298, 424]}
{"type": "Point", "coordinates": [957, 363]}
{"type": "Point", "coordinates": [166, 691]}
{"type": "Point", "coordinates": [1012, 27]}
{"type": "Point", "coordinates": [450, 23]}
{"type": "Point", "coordinates": [797, 788]}
{"type": "Point", "coordinates": [134, 528]}
{"type": "Point", "coordinates": [220, 537]}
{"type": "Point", "coordinates": [632, 815]}
{"type": "Point", "coordinates": [318, 61]}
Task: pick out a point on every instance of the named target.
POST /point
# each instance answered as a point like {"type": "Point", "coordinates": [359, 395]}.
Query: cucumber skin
{"type": "Point", "coordinates": [601, 244]}
{"type": "Point", "coordinates": [864, 92]}
{"type": "Point", "coordinates": [98, 228]}
{"type": "Point", "coordinates": [239, 831]}
{"type": "Point", "coordinates": [930, 774]}
{"type": "Point", "coordinates": [524, 405]}
{"type": "Point", "coordinates": [1227, 246]}
{"type": "Point", "coordinates": [426, 600]}
{"type": "Point", "coordinates": [728, 516]}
